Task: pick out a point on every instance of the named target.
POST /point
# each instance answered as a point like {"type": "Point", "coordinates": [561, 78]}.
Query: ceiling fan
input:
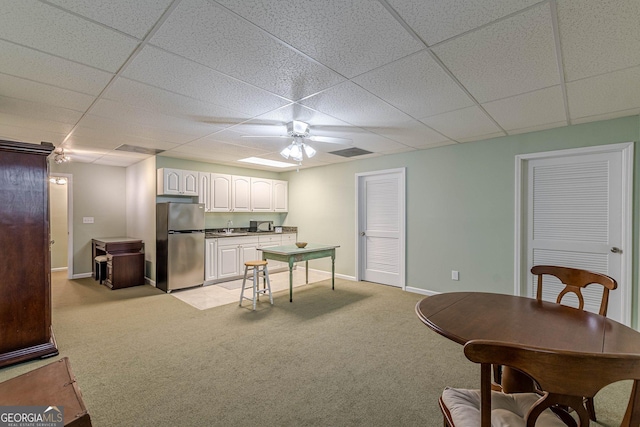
{"type": "Point", "coordinates": [300, 131]}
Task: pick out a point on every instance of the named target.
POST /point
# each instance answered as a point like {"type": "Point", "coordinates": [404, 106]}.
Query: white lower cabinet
{"type": "Point", "coordinates": [232, 253]}
{"type": "Point", "coordinates": [210, 267]}
{"type": "Point", "coordinates": [225, 257]}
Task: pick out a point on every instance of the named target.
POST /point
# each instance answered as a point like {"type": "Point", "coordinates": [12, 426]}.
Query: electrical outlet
{"type": "Point", "coordinates": [87, 220]}
{"type": "Point", "coordinates": [455, 275]}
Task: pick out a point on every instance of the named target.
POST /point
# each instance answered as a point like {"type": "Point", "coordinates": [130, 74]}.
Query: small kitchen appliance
{"type": "Point", "coordinates": [260, 226]}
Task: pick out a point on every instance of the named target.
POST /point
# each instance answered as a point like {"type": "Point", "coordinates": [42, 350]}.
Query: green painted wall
{"type": "Point", "coordinates": [460, 205]}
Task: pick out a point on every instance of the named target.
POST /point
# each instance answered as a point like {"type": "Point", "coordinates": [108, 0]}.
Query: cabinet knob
{"type": "Point", "coordinates": [616, 250]}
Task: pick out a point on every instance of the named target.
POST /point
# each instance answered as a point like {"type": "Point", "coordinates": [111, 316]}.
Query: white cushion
{"type": "Point", "coordinates": [507, 410]}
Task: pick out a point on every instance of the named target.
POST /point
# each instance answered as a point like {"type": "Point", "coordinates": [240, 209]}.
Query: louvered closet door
{"type": "Point", "coordinates": [382, 227]}
{"type": "Point", "coordinates": [574, 219]}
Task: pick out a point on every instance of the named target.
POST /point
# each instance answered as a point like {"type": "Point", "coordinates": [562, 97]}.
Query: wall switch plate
{"type": "Point", "coordinates": [455, 275]}
{"type": "Point", "coordinates": [87, 220]}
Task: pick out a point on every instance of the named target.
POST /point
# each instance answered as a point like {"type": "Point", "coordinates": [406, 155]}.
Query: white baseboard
{"type": "Point", "coordinates": [53, 270]}
{"type": "Point", "coordinates": [339, 276]}
{"type": "Point", "coordinates": [82, 275]}
{"type": "Point", "coordinates": [150, 282]}
{"type": "Point", "coordinates": [421, 291]}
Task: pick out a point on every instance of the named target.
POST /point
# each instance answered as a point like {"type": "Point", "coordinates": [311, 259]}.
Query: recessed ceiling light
{"type": "Point", "coordinates": [267, 162]}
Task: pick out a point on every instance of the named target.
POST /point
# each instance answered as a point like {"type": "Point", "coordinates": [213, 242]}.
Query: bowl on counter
{"type": "Point", "coordinates": [301, 244]}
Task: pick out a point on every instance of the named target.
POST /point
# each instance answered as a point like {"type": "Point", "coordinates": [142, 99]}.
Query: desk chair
{"type": "Point", "coordinates": [100, 267]}
{"type": "Point", "coordinates": [259, 268]}
{"type": "Point", "coordinates": [575, 280]}
{"type": "Point", "coordinates": [566, 377]}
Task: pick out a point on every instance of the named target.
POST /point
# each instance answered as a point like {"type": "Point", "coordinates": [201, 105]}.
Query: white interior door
{"type": "Point", "coordinates": [381, 227]}
{"type": "Point", "coordinates": [575, 217]}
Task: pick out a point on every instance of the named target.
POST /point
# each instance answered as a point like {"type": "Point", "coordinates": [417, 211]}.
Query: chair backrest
{"type": "Point", "coordinates": [566, 377]}
{"type": "Point", "coordinates": [575, 280]}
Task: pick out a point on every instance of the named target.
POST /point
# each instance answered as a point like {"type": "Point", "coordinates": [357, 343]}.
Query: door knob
{"type": "Point", "coordinates": [616, 250]}
{"type": "Point", "coordinates": [362, 233]}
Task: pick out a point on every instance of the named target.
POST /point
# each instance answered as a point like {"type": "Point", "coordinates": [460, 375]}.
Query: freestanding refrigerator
{"type": "Point", "coordinates": [179, 245]}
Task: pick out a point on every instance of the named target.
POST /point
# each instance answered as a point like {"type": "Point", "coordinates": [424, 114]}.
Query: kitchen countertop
{"type": "Point", "coordinates": [240, 232]}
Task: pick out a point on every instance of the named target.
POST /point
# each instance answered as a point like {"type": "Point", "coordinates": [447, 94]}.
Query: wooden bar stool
{"type": "Point", "coordinates": [258, 267]}
{"type": "Point", "coordinates": [101, 267]}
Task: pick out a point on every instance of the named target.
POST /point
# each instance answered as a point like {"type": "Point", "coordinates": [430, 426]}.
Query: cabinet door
{"type": "Point", "coordinates": [280, 196]}
{"type": "Point", "coordinates": [210, 253]}
{"type": "Point", "coordinates": [204, 190]}
{"type": "Point", "coordinates": [249, 252]}
{"type": "Point", "coordinates": [220, 192]}
{"type": "Point", "coordinates": [228, 261]}
{"type": "Point", "coordinates": [171, 179]}
{"type": "Point", "coordinates": [240, 194]}
{"type": "Point", "coordinates": [261, 195]}
{"type": "Point", "coordinates": [189, 183]}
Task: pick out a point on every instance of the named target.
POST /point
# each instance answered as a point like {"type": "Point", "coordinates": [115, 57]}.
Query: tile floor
{"type": "Point", "coordinates": [204, 297]}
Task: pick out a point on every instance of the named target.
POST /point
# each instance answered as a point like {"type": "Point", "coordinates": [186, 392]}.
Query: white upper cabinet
{"type": "Point", "coordinates": [225, 193]}
{"type": "Point", "coordinates": [204, 190]}
{"type": "Point", "coordinates": [261, 195]}
{"type": "Point", "coordinates": [280, 200]}
{"type": "Point", "coordinates": [177, 182]}
{"type": "Point", "coordinates": [240, 193]}
{"type": "Point", "coordinates": [220, 192]}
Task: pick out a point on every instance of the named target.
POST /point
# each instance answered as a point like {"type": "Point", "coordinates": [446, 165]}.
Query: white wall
{"type": "Point", "coordinates": [141, 209]}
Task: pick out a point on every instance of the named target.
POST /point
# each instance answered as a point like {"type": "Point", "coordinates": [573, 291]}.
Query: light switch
{"type": "Point", "coordinates": [87, 220]}
{"type": "Point", "coordinates": [454, 275]}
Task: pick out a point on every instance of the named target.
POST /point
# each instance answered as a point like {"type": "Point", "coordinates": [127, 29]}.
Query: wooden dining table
{"type": "Point", "coordinates": [466, 316]}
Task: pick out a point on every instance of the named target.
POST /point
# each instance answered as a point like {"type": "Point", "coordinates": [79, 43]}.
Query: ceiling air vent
{"type": "Point", "coordinates": [140, 150]}
{"type": "Point", "coordinates": [350, 152]}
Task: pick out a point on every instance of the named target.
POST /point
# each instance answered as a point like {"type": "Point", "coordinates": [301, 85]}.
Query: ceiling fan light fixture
{"type": "Point", "coordinates": [286, 152]}
{"type": "Point", "coordinates": [296, 152]}
{"type": "Point", "coordinates": [309, 150]}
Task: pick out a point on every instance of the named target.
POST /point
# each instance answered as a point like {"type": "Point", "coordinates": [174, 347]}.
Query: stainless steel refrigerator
{"type": "Point", "coordinates": [179, 245]}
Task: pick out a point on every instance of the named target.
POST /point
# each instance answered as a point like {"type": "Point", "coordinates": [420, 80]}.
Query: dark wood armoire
{"type": "Point", "coordinates": [25, 260]}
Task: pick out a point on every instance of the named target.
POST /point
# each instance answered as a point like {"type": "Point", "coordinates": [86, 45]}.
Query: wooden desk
{"type": "Point", "coordinates": [125, 260]}
{"type": "Point", "coordinates": [291, 254]}
{"type": "Point", "coordinates": [466, 316]}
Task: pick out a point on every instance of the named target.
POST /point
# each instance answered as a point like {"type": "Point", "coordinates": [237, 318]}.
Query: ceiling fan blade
{"type": "Point", "coordinates": [329, 139]}
{"type": "Point", "coordinates": [265, 136]}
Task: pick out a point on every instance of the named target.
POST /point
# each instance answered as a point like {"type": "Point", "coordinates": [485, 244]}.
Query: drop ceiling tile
{"type": "Point", "coordinates": [28, 90]}
{"type": "Point", "coordinates": [123, 162]}
{"type": "Point", "coordinates": [416, 85]}
{"type": "Point", "coordinates": [34, 122]}
{"type": "Point", "coordinates": [79, 153]}
{"type": "Point", "coordinates": [126, 113]}
{"type": "Point", "coordinates": [29, 134]}
{"type": "Point", "coordinates": [412, 133]}
{"type": "Point", "coordinates": [617, 91]}
{"type": "Point", "coordinates": [164, 102]}
{"type": "Point", "coordinates": [81, 138]}
{"type": "Point", "coordinates": [117, 131]}
{"type": "Point", "coordinates": [41, 67]}
{"type": "Point", "coordinates": [531, 109]}
{"type": "Point", "coordinates": [462, 124]}
{"type": "Point", "coordinates": [349, 37]}
{"type": "Point", "coordinates": [173, 73]}
{"type": "Point", "coordinates": [598, 36]}
{"type": "Point", "coordinates": [37, 25]}
{"type": "Point", "coordinates": [228, 151]}
{"type": "Point", "coordinates": [38, 111]}
{"type": "Point", "coordinates": [352, 104]}
{"type": "Point", "coordinates": [538, 128]}
{"type": "Point", "coordinates": [131, 17]}
{"type": "Point", "coordinates": [211, 35]}
{"type": "Point", "coordinates": [481, 137]}
{"type": "Point", "coordinates": [436, 21]}
{"type": "Point", "coordinates": [508, 58]}
{"type": "Point", "coordinates": [607, 116]}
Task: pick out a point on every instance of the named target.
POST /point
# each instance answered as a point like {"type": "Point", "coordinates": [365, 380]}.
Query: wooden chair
{"type": "Point", "coordinates": [575, 280]}
{"type": "Point", "coordinates": [565, 378]}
